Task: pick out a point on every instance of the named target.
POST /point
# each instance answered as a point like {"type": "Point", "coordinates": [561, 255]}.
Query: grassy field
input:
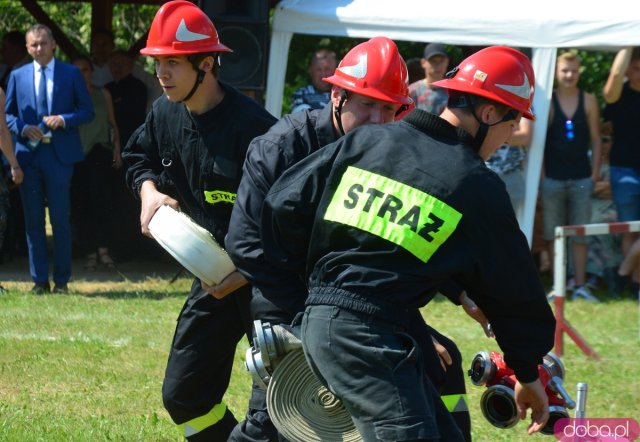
{"type": "Point", "coordinates": [88, 366]}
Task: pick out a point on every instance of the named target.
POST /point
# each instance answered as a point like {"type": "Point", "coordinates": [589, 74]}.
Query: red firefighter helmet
{"type": "Point", "coordinates": [181, 28]}
{"type": "Point", "coordinates": [498, 73]}
{"type": "Point", "coordinates": [375, 69]}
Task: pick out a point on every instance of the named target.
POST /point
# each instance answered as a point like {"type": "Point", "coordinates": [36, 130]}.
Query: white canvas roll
{"type": "Point", "coordinates": [191, 245]}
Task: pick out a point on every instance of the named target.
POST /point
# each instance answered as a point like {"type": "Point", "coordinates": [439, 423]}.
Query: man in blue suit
{"type": "Point", "coordinates": [55, 93]}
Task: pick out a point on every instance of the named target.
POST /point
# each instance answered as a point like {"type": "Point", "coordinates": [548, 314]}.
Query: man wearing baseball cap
{"type": "Point", "coordinates": [435, 61]}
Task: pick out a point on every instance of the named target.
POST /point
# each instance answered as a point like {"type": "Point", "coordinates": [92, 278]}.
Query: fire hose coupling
{"type": "Point", "coordinates": [498, 403]}
{"type": "Point", "coordinates": [271, 343]}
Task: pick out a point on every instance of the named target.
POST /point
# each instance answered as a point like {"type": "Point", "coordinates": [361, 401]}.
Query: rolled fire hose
{"type": "Point", "coordinates": [302, 409]}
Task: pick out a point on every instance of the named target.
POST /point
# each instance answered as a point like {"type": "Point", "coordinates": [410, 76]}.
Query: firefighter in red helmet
{"type": "Point", "coordinates": [379, 220]}
{"type": "Point", "coordinates": [381, 93]}
{"type": "Point", "coordinates": [369, 87]}
{"type": "Point", "coordinates": [192, 146]}
{"type": "Point", "coordinates": [375, 70]}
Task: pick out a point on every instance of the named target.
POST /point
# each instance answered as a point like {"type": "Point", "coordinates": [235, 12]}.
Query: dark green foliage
{"type": "Point", "coordinates": [131, 21]}
{"type": "Point", "coordinates": [595, 70]}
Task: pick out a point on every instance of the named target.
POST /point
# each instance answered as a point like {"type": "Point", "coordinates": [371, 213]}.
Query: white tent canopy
{"type": "Point", "coordinates": [544, 26]}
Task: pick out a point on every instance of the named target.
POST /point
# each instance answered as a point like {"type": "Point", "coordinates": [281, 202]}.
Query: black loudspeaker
{"type": "Point", "coordinates": [243, 25]}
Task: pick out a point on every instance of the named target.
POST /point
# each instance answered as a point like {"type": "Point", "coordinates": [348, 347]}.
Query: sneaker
{"type": "Point", "coordinates": [585, 294]}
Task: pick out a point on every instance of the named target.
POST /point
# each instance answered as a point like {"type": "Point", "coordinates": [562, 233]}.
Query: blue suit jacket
{"type": "Point", "coordinates": [70, 99]}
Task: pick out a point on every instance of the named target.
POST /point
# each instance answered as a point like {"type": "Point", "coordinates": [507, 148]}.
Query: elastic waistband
{"type": "Point", "coordinates": [362, 303]}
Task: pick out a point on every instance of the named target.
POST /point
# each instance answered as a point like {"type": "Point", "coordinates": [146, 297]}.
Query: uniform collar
{"type": "Point", "coordinates": [433, 125]}
{"type": "Point", "coordinates": [324, 126]}
{"type": "Point", "coordinates": [219, 109]}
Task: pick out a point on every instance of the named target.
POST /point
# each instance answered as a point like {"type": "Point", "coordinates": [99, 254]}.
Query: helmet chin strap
{"type": "Point", "coordinates": [337, 112]}
{"type": "Point", "coordinates": [482, 131]}
{"type": "Point", "coordinates": [199, 79]}
{"type": "Point", "coordinates": [483, 128]}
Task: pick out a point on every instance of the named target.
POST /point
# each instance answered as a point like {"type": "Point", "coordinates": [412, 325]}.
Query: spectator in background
{"type": "Point", "coordinates": [604, 250]}
{"type": "Point", "coordinates": [574, 127]}
{"type": "Point", "coordinates": [51, 92]}
{"type": "Point", "coordinates": [623, 111]}
{"type": "Point", "coordinates": [154, 90]}
{"type": "Point", "coordinates": [435, 61]}
{"type": "Point", "coordinates": [316, 94]}
{"type": "Point", "coordinates": [507, 162]}
{"type": "Point", "coordinates": [14, 55]}
{"type": "Point", "coordinates": [6, 147]}
{"type": "Point", "coordinates": [91, 186]}
{"type": "Point", "coordinates": [414, 67]}
{"type": "Point", "coordinates": [129, 97]}
{"type": "Point", "coordinates": [631, 264]}
{"type": "Point", "coordinates": [128, 93]}
{"type": "Point", "coordinates": [102, 47]}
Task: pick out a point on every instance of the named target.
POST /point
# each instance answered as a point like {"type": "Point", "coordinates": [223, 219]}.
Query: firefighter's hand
{"type": "Point", "coordinates": [443, 354]}
{"type": "Point", "coordinates": [152, 200]}
{"type": "Point", "coordinates": [228, 285]}
{"type": "Point", "coordinates": [474, 311]}
{"type": "Point", "coordinates": [532, 395]}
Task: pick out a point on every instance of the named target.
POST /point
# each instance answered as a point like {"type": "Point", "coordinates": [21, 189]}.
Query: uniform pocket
{"type": "Point", "coordinates": [407, 428]}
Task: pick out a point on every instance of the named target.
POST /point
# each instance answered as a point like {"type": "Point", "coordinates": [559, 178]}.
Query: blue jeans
{"type": "Point", "coordinates": [625, 186]}
{"type": "Point", "coordinates": [377, 370]}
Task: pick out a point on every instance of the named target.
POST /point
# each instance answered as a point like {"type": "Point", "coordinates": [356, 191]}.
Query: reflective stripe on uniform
{"type": "Point", "coordinates": [198, 424]}
{"type": "Point", "coordinates": [455, 402]}
{"type": "Point", "coordinates": [397, 212]}
{"type": "Point", "coordinates": [219, 196]}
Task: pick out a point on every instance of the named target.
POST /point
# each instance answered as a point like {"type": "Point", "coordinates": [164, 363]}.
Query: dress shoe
{"type": "Point", "coordinates": [40, 288]}
{"type": "Point", "coordinates": [61, 288]}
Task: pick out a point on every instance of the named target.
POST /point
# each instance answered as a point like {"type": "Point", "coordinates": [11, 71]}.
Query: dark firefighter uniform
{"type": "Point", "coordinates": [278, 295]}
{"type": "Point", "coordinates": [199, 158]}
{"type": "Point", "coordinates": [383, 217]}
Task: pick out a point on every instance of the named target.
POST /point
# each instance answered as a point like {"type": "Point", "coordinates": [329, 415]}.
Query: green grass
{"type": "Point", "coordinates": [610, 328]}
{"type": "Point", "coordinates": [88, 366]}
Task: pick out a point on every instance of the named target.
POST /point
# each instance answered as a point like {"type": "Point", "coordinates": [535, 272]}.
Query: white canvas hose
{"type": "Point", "coordinates": [302, 409]}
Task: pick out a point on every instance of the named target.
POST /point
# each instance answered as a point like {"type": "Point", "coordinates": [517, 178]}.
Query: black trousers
{"type": "Point", "coordinates": [91, 199]}
{"type": "Point", "coordinates": [377, 367]}
{"type": "Point", "coordinates": [450, 383]}
{"type": "Point", "coordinates": [200, 363]}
